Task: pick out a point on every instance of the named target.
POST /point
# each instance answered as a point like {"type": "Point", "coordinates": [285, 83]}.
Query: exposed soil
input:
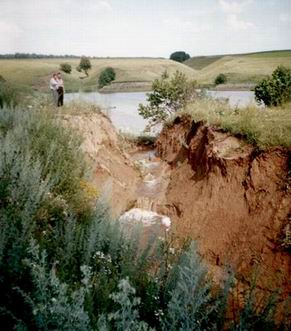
{"type": "Point", "coordinates": [114, 173]}
{"type": "Point", "coordinates": [229, 196]}
{"type": "Point", "coordinates": [215, 188]}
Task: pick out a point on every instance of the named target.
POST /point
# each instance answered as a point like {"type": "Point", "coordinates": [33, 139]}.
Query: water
{"type": "Point", "coordinates": [235, 98]}
{"type": "Point", "coordinates": [150, 195]}
{"type": "Point", "coordinates": [122, 107]}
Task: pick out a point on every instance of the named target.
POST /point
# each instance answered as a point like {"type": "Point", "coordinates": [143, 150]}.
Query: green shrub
{"type": "Point", "coordinates": [106, 77]}
{"type": "Point", "coordinates": [275, 90]}
{"type": "Point", "coordinates": [220, 79]}
{"type": "Point", "coordinates": [168, 96]}
{"type": "Point", "coordinates": [66, 67]}
{"type": "Point", "coordinates": [8, 95]}
{"type": "Point", "coordinates": [179, 56]}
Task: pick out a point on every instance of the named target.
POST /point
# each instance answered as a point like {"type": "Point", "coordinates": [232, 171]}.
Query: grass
{"type": "Point", "coordinates": [264, 127]}
{"type": "Point", "coordinates": [200, 62]}
{"type": "Point", "coordinates": [241, 68]}
{"type": "Point", "coordinates": [35, 73]}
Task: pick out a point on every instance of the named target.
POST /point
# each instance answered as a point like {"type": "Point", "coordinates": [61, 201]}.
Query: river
{"type": "Point", "coordinates": [122, 107]}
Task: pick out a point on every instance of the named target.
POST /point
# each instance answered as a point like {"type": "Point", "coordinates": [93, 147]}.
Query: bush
{"type": "Point", "coordinates": [275, 90]}
{"type": "Point", "coordinates": [8, 94]}
{"type": "Point", "coordinates": [220, 79]}
{"type": "Point", "coordinates": [179, 56]}
{"type": "Point", "coordinates": [168, 96]}
{"type": "Point", "coordinates": [106, 77]}
{"type": "Point", "coordinates": [66, 67]}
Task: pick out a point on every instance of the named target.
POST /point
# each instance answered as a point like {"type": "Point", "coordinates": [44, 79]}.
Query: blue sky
{"type": "Point", "coordinates": [144, 27]}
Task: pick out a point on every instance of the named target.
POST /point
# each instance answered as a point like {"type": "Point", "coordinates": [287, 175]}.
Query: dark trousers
{"type": "Point", "coordinates": [60, 96]}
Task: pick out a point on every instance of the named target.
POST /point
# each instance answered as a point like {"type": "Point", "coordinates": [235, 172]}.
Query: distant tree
{"type": "Point", "coordinates": [106, 77]}
{"type": "Point", "coordinates": [220, 79]}
{"type": "Point", "coordinates": [179, 56]}
{"type": "Point", "coordinates": [169, 95]}
{"type": "Point", "coordinates": [66, 67]}
{"type": "Point", "coordinates": [275, 90]}
{"type": "Point", "coordinates": [84, 65]}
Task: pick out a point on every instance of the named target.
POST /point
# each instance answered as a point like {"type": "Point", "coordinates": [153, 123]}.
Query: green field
{"type": "Point", "coordinates": [35, 73]}
{"type": "Point", "coordinates": [239, 68]}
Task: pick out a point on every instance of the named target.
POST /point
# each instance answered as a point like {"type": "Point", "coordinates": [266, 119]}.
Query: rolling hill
{"type": "Point", "coordinates": [35, 73]}
{"type": "Point", "coordinates": [239, 68]}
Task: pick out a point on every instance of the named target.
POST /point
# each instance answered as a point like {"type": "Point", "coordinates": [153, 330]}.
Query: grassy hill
{"type": "Point", "coordinates": [200, 62]}
{"type": "Point", "coordinates": [35, 73]}
{"type": "Point", "coordinates": [239, 68]}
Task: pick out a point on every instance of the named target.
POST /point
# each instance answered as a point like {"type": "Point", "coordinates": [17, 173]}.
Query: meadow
{"type": "Point", "coordinates": [137, 74]}
{"type": "Point", "coordinates": [35, 73]}
{"type": "Point", "coordinates": [239, 68]}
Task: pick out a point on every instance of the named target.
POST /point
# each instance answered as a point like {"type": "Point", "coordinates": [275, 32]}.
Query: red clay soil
{"type": "Point", "coordinates": [231, 197]}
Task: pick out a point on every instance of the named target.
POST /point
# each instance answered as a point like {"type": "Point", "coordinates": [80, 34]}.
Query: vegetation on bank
{"type": "Point", "coordinates": [264, 127]}
{"type": "Point", "coordinates": [169, 95]}
{"type": "Point", "coordinates": [65, 265]}
{"type": "Point", "coordinates": [172, 96]}
{"type": "Point", "coordinates": [275, 90]}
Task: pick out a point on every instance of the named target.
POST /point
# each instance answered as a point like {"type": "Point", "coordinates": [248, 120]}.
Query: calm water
{"type": "Point", "coordinates": [122, 107]}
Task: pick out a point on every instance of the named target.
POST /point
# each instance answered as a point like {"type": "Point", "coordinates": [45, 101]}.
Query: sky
{"type": "Point", "coordinates": [153, 28]}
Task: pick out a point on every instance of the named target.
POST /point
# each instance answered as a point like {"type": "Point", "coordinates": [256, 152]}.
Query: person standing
{"type": "Point", "coordinates": [60, 90]}
{"type": "Point", "coordinates": [54, 87]}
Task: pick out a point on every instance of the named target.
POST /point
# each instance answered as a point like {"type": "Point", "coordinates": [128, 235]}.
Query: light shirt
{"type": "Point", "coordinates": [53, 84]}
{"type": "Point", "coordinates": [60, 83]}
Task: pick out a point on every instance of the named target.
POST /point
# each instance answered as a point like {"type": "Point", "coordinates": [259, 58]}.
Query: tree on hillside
{"type": "Point", "coordinates": [179, 56]}
{"type": "Point", "coordinates": [275, 90]}
{"type": "Point", "coordinates": [169, 95]}
{"type": "Point", "coordinates": [84, 65]}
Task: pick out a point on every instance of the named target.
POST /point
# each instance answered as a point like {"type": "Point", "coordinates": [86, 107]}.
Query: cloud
{"type": "Point", "coordinates": [188, 26]}
{"type": "Point", "coordinates": [10, 29]}
{"type": "Point", "coordinates": [10, 34]}
{"type": "Point", "coordinates": [234, 7]}
{"type": "Point", "coordinates": [235, 23]}
{"type": "Point", "coordinates": [283, 17]}
{"type": "Point", "coordinates": [103, 4]}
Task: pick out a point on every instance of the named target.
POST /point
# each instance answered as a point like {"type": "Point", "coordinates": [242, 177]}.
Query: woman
{"type": "Point", "coordinates": [54, 87]}
{"type": "Point", "coordinates": [60, 90]}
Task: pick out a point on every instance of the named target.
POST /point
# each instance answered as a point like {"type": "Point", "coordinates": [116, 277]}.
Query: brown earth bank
{"type": "Point", "coordinates": [114, 174]}
{"type": "Point", "coordinates": [234, 199]}
{"type": "Point", "coordinates": [229, 196]}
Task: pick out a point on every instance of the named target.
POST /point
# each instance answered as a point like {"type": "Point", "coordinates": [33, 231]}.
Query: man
{"type": "Point", "coordinates": [53, 88]}
{"type": "Point", "coordinates": [60, 90]}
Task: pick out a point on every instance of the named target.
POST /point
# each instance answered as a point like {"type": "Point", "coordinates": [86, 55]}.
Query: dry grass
{"type": "Point", "coordinates": [249, 68]}
{"type": "Point", "coordinates": [35, 73]}
{"type": "Point", "coordinates": [264, 127]}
